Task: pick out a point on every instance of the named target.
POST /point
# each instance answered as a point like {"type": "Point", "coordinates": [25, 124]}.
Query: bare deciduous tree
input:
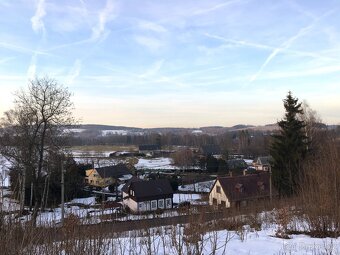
{"type": "Point", "coordinates": [33, 130]}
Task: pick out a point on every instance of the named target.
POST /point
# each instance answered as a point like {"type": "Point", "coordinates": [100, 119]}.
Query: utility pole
{"type": "Point", "coordinates": [270, 184]}
{"type": "Point", "coordinates": [62, 193]}
{"type": "Point", "coordinates": [31, 196]}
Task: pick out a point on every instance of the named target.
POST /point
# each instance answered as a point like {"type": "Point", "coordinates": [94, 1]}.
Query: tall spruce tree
{"type": "Point", "coordinates": [289, 148]}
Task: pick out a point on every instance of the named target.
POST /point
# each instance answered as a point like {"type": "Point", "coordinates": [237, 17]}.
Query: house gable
{"type": "Point", "coordinates": [217, 196]}
{"type": "Point", "coordinates": [105, 176]}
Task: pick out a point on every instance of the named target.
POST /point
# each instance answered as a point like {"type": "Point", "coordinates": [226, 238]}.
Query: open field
{"type": "Point", "coordinates": [104, 148]}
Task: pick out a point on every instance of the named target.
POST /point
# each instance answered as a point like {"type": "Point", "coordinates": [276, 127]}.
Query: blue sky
{"type": "Point", "coordinates": [176, 63]}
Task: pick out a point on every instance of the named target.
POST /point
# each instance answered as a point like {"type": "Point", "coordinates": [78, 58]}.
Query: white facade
{"type": "Point", "coordinates": [218, 197]}
{"type": "Point", "coordinates": [144, 206]}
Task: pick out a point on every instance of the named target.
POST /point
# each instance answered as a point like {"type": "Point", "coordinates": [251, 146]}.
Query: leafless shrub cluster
{"type": "Point", "coordinates": [320, 191]}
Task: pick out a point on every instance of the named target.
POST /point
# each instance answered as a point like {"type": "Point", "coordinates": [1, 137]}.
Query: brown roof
{"type": "Point", "coordinates": [245, 187]}
{"type": "Point", "coordinates": [149, 189]}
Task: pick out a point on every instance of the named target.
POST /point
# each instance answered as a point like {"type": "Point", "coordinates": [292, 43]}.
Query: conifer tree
{"type": "Point", "coordinates": [289, 148]}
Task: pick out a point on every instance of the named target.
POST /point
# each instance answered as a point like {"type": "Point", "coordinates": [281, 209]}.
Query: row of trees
{"type": "Point", "coordinates": [244, 142]}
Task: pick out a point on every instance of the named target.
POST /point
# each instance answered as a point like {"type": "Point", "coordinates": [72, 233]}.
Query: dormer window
{"type": "Point", "coordinates": [239, 187]}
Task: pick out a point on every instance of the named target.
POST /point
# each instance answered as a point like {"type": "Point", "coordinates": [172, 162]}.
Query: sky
{"type": "Point", "coordinates": [175, 63]}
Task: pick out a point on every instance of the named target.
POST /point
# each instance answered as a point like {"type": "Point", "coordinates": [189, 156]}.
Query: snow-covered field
{"type": "Point", "coordinates": [121, 132]}
{"type": "Point", "coordinates": [92, 154]}
{"type": "Point", "coordinates": [83, 210]}
{"type": "Point", "coordinates": [194, 239]}
{"type": "Point", "coordinates": [155, 164]}
{"type": "Point", "coordinates": [248, 242]}
{"type": "Point", "coordinates": [104, 132]}
{"type": "Point", "coordinates": [114, 132]}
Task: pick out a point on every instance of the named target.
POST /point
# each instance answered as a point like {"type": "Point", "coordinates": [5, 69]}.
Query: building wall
{"type": "Point", "coordinates": [262, 167]}
{"type": "Point", "coordinates": [132, 204]}
{"type": "Point", "coordinates": [93, 179]}
{"type": "Point", "coordinates": [145, 206]}
{"type": "Point", "coordinates": [218, 196]}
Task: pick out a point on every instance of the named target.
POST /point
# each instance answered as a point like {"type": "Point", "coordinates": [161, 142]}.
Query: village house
{"type": "Point", "coordinates": [142, 196]}
{"type": "Point", "coordinates": [262, 163]}
{"type": "Point", "coordinates": [239, 190]}
{"type": "Point", "coordinates": [105, 176]}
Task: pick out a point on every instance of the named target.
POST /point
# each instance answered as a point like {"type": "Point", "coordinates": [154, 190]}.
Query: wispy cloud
{"type": "Point", "coordinates": [154, 69]}
{"type": "Point", "coordinates": [32, 68]}
{"type": "Point", "coordinates": [5, 60]}
{"type": "Point", "coordinates": [152, 26]}
{"type": "Point", "coordinates": [287, 44]}
{"type": "Point", "coordinates": [216, 7]}
{"type": "Point", "coordinates": [315, 71]}
{"type": "Point", "coordinates": [5, 3]}
{"type": "Point", "coordinates": [230, 43]}
{"type": "Point", "coordinates": [105, 15]}
{"type": "Point", "coordinates": [149, 42]}
{"type": "Point", "coordinates": [65, 45]}
{"type": "Point", "coordinates": [303, 10]}
{"type": "Point", "coordinates": [75, 71]}
{"type": "Point", "coordinates": [37, 20]}
{"type": "Point", "coordinates": [12, 46]}
{"type": "Point", "coordinates": [283, 46]}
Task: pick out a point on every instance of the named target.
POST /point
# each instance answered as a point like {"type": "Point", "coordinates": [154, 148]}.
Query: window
{"type": "Point", "coordinates": [239, 187]}
{"type": "Point", "coordinates": [223, 203]}
{"type": "Point", "coordinates": [214, 201]}
{"type": "Point", "coordinates": [161, 203]}
{"type": "Point", "coordinates": [168, 203]}
{"type": "Point", "coordinates": [153, 204]}
{"type": "Point", "coordinates": [218, 189]}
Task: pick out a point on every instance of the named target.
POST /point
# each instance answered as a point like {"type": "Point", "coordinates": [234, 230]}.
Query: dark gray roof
{"type": "Point", "coordinates": [253, 186]}
{"type": "Point", "coordinates": [211, 149]}
{"type": "Point", "coordinates": [152, 188]}
{"type": "Point", "coordinates": [149, 147]}
{"type": "Point", "coordinates": [115, 171]}
{"type": "Point", "coordinates": [264, 160]}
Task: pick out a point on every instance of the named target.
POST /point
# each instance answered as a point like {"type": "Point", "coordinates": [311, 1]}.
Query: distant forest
{"type": "Point", "coordinates": [250, 142]}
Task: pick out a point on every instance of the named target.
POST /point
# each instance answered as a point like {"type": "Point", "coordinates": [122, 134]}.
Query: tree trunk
{"type": "Point", "coordinates": [38, 174]}
{"type": "Point", "coordinates": [22, 191]}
